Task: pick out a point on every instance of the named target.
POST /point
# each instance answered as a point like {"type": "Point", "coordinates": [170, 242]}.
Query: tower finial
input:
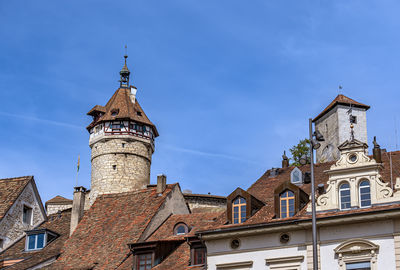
{"type": "Point", "coordinates": [124, 73]}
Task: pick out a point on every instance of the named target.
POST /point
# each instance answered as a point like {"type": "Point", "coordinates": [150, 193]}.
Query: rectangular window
{"type": "Point", "coordinates": [27, 215]}
{"type": "Point", "coordinates": [353, 119]}
{"type": "Point", "coordinates": [35, 241]}
{"type": "Point", "coordinates": [358, 266]}
{"type": "Point", "coordinates": [144, 261]}
{"type": "Point", "coordinates": [199, 256]}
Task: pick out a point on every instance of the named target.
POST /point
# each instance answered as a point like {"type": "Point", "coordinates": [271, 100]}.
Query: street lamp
{"type": "Point", "coordinates": [315, 138]}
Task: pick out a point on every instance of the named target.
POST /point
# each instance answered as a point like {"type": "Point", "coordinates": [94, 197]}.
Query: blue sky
{"type": "Point", "coordinates": [229, 84]}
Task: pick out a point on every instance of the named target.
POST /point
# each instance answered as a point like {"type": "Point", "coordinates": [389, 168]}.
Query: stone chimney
{"type": "Point", "coordinates": [161, 183]}
{"type": "Point", "coordinates": [285, 160]}
{"type": "Point", "coordinates": [78, 204]}
{"type": "Point", "coordinates": [376, 152]}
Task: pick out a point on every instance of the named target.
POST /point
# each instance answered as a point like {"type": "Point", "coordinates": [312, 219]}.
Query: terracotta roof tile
{"type": "Point", "coordinates": [59, 200]}
{"type": "Point", "coordinates": [10, 189]}
{"type": "Point", "coordinates": [113, 221]}
{"type": "Point", "coordinates": [58, 223]}
{"type": "Point", "coordinates": [194, 221]}
{"type": "Point", "coordinates": [343, 100]}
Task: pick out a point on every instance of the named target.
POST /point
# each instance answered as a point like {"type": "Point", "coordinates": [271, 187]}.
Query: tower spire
{"type": "Point", "coordinates": [124, 73]}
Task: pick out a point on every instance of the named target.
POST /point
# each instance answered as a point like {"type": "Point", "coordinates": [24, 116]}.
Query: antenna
{"type": "Point", "coordinates": [340, 88]}
{"type": "Point", "coordinates": [395, 133]}
{"type": "Point", "coordinates": [126, 50]}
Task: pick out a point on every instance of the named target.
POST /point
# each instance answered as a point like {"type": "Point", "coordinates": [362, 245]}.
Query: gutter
{"type": "Point", "coordinates": [297, 224]}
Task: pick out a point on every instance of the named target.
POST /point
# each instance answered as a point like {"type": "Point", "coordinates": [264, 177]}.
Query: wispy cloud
{"type": "Point", "coordinates": [207, 154]}
{"type": "Point", "coordinates": [46, 121]}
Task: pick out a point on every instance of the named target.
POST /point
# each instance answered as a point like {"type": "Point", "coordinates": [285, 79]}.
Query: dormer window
{"type": "Point", "coordinates": [241, 205]}
{"type": "Point", "coordinates": [37, 239]}
{"type": "Point", "coordinates": [344, 196]}
{"type": "Point", "coordinates": [239, 210]}
{"type": "Point", "coordinates": [181, 228]}
{"type": "Point", "coordinates": [289, 199]}
{"type": "Point", "coordinates": [114, 112]}
{"type": "Point", "coordinates": [296, 176]}
{"type": "Point", "coordinates": [365, 193]}
{"type": "Point", "coordinates": [287, 204]}
{"type": "Point", "coordinates": [27, 215]}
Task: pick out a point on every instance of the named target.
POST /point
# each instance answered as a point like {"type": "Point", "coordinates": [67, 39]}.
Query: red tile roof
{"type": "Point", "coordinates": [264, 188]}
{"type": "Point", "coordinates": [113, 221]}
{"type": "Point", "coordinates": [122, 103]}
{"type": "Point", "coordinates": [342, 100]}
{"type": "Point", "coordinates": [194, 221]}
{"type": "Point", "coordinates": [10, 189]}
{"type": "Point", "coordinates": [59, 200]}
{"type": "Point", "coordinates": [58, 223]}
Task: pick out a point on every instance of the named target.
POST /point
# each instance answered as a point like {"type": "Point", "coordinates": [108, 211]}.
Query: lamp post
{"type": "Point", "coordinates": [315, 138]}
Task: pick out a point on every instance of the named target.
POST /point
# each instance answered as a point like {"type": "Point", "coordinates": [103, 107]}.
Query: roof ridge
{"type": "Point", "coordinates": [16, 178]}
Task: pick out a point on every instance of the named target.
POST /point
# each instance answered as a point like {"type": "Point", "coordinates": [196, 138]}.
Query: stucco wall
{"type": "Point", "coordinates": [11, 226]}
{"type": "Point", "coordinates": [258, 248]}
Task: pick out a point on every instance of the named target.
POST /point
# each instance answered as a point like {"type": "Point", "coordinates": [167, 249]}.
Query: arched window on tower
{"type": "Point", "coordinates": [239, 210]}
{"type": "Point", "coordinates": [287, 204]}
{"type": "Point", "coordinates": [344, 196]}
{"type": "Point", "coordinates": [365, 193]}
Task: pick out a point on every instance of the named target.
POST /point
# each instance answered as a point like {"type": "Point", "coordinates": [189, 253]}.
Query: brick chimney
{"type": "Point", "coordinates": [285, 160]}
{"type": "Point", "coordinates": [376, 151]}
{"type": "Point", "coordinates": [161, 183]}
{"type": "Point", "coordinates": [78, 204]}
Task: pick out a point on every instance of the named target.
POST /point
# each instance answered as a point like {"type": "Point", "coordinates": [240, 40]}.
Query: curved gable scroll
{"type": "Point", "coordinates": [357, 250]}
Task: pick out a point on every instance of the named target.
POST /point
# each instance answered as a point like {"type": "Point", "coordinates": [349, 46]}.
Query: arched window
{"type": "Point", "coordinates": [365, 194]}
{"type": "Point", "coordinates": [239, 210]}
{"type": "Point", "coordinates": [344, 195]}
{"type": "Point", "coordinates": [287, 204]}
{"type": "Point", "coordinates": [181, 228]}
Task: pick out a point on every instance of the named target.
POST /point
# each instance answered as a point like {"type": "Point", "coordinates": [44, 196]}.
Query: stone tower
{"type": "Point", "coordinates": [122, 142]}
{"type": "Point", "coordinates": [334, 124]}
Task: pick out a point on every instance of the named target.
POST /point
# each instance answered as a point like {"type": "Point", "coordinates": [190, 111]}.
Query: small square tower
{"type": "Point", "coordinates": [334, 124]}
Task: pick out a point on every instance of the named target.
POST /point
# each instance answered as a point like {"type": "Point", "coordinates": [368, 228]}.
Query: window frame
{"type": "Point", "coordinates": [300, 176]}
{"type": "Point", "coordinates": [287, 200]}
{"type": "Point", "coordinates": [359, 193]}
{"type": "Point", "coordinates": [199, 250]}
{"type": "Point", "coordinates": [179, 224]}
{"type": "Point", "coordinates": [138, 260]}
{"type": "Point", "coordinates": [239, 205]}
{"type": "Point", "coordinates": [24, 219]}
{"type": "Point", "coordinates": [340, 195]}
{"type": "Point", "coordinates": [36, 235]}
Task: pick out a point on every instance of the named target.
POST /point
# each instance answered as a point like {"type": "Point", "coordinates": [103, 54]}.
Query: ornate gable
{"type": "Point", "coordinates": [354, 167]}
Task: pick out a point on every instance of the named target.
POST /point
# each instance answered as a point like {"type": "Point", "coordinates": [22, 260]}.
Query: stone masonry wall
{"type": "Point", "coordinates": [335, 127]}
{"type": "Point", "coordinates": [54, 208]}
{"type": "Point", "coordinates": [11, 226]}
{"type": "Point", "coordinates": [329, 128]}
{"type": "Point", "coordinates": [119, 165]}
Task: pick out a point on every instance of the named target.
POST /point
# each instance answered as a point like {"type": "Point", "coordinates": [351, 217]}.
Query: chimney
{"type": "Point", "coordinates": [161, 183]}
{"type": "Point", "coordinates": [376, 152]}
{"type": "Point", "coordinates": [78, 204]}
{"type": "Point", "coordinates": [285, 160]}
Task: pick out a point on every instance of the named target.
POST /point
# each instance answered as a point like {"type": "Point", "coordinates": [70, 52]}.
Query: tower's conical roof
{"type": "Point", "coordinates": [120, 107]}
